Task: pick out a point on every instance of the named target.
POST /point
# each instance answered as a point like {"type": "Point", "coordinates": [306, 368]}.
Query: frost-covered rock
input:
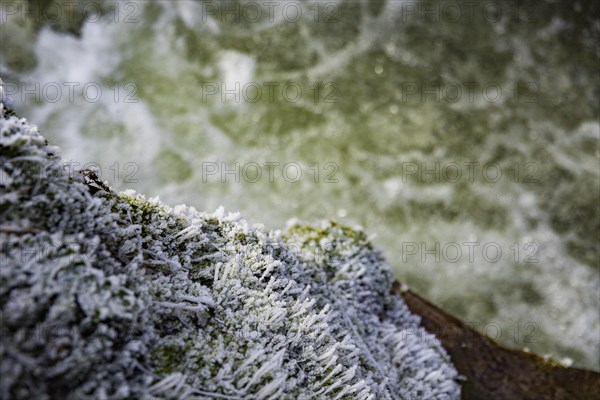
{"type": "Point", "coordinates": [114, 296]}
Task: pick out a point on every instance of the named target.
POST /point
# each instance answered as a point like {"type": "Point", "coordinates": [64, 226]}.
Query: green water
{"type": "Point", "coordinates": [398, 115]}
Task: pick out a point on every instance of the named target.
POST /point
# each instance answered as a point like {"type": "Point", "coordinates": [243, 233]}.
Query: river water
{"type": "Point", "coordinates": [463, 136]}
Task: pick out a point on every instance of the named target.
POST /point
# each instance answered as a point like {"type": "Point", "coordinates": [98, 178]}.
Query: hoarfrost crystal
{"type": "Point", "coordinates": [112, 296]}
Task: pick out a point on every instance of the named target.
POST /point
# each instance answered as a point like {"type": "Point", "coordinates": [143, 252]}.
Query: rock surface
{"type": "Point", "coordinates": [490, 372]}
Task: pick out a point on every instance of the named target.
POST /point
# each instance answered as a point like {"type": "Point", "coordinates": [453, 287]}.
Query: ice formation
{"type": "Point", "coordinates": [115, 296]}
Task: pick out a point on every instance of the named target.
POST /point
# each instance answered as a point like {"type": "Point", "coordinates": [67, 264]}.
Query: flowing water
{"type": "Point", "coordinates": [464, 136]}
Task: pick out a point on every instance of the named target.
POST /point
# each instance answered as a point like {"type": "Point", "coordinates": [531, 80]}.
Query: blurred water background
{"type": "Point", "coordinates": [464, 136]}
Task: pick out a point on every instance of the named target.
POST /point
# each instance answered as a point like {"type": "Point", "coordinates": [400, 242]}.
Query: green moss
{"type": "Point", "coordinates": [314, 233]}
{"type": "Point", "coordinates": [169, 358]}
{"type": "Point", "coordinates": [145, 211]}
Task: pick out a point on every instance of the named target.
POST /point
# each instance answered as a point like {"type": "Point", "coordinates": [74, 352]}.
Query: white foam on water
{"type": "Point", "coordinates": [88, 61]}
{"type": "Point", "coordinates": [237, 72]}
{"type": "Point", "coordinates": [64, 58]}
